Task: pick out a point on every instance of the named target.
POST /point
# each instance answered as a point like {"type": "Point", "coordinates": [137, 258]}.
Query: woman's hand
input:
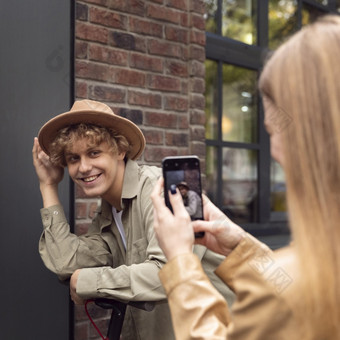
{"type": "Point", "coordinates": [221, 234]}
{"type": "Point", "coordinates": [174, 232]}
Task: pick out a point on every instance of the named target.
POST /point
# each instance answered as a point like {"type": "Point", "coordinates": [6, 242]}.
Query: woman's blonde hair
{"type": "Point", "coordinates": [302, 81]}
{"type": "Point", "coordinates": [95, 135]}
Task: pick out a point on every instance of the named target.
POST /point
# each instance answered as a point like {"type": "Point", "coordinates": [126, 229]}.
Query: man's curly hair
{"type": "Point", "coordinates": [95, 135]}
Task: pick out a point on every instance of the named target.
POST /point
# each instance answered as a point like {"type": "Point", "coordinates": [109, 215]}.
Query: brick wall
{"type": "Point", "coordinates": [145, 59]}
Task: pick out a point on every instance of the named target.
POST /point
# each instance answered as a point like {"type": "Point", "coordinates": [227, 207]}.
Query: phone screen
{"type": "Point", "coordinates": [184, 173]}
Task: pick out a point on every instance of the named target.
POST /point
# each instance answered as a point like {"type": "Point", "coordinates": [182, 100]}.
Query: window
{"type": "Point", "coordinates": [241, 177]}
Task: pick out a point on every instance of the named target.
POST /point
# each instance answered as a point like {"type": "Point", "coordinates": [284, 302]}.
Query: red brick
{"type": "Point", "coordinates": [177, 68]}
{"type": "Point", "coordinates": [129, 6]}
{"type": "Point", "coordinates": [81, 210]}
{"type": "Point", "coordinates": [184, 87]}
{"type": "Point", "coordinates": [81, 330]}
{"type": "Point", "coordinates": [198, 37]}
{"type": "Point", "coordinates": [164, 48]}
{"type": "Point", "coordinates": [177, 139]}
{"type": "Point", "coordinates": [198, 148]}
{"type": "Point", "coordinates": [136, 7]}
{"type": "Point", "coordinates": [144, 62]}
{"type": "Point", "coordinates": [98, 2]}
{"type": "Point", "coordinates": [120, 5]}
{"type": "Point", "coordinates": [179, 4]}
{"type": "Point", "coordinates": [183, 121]}
{"type": "Point", "coordinates": [81, 12]}
{"type": "Point", "coordinates": [177, 34]}
{"type": "Point", "coordinates": [197, 101]}
{"type": "Point", "coordinates": [144, 99]}
{"type": "Point", "coordinates": [197, 69]}
{"type": "Point", "coordinates": [107, 93]}
{"type": "Point", "coordinates": [156, 154]}
{"type": "Point", "coordinates": [108, 18]}
{"type": "Point", "coordinates": [154, 137]}
{"type": "Point", "coordinates": [176, 103]}
{"type": "Point", "coordinates": [92, 71]}
{"type": "Point", "coordinates": [80, 89]}
{"type": "Point", "coordinates": [197, 117]}
{"type": "Point", "coordinates": [197, 85]}
{"type": "Point", "coordinates": [197, 133]}
{"type": "Point", "coordinates": [81, 49]}
{"type": "Point", "coordinates": [81, 228]}
{"type": "Point", "coordinates": [198, 6]}
{"type": "Point", "coordinates": [89, 32]}
{"type": "Point", "coordinates": [160, 119]}
{"type": "Point", "coordinates": [184, 20]}
{"type": "Point", "coordinates": [145, 27]}
{"type": "Point", "coordinates": [163, 13]}
{"type": "Point", "coordinates": [198, 21]}
{"type": "Point", "coordinates": [197, 53]}
{"type": "Point", "coordinates": [129, 77]}
{"type": "Point", "coordinates": [78, 191]}
{"type": "Point", "coordinates": [108, 55]}
{"type": "Point", "coordinates": [163, 83]}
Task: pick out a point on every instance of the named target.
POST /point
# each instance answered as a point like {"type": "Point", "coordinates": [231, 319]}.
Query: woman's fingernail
{"type": "Point", "coordinates": [173, 188]}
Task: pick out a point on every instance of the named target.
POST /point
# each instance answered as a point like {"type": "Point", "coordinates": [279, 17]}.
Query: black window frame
{"type": "Point", "coordinates": [226, 50]}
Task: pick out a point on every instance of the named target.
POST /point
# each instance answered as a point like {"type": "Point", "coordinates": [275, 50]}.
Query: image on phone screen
{"type": "Point", "coordinates": [184, 174]}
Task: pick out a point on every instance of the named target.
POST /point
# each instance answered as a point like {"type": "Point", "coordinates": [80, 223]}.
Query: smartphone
{"type": "Point", "coordinates": [183, 172]}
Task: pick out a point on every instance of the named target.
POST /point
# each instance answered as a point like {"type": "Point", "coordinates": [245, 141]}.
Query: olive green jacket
{"type": "Point", "coordinates": [110, 271]}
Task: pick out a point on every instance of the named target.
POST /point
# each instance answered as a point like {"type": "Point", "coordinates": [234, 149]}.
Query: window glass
{"type": "Point", "coordinates": [239, 20]}
{"type": "Point", "coordinates": [322, 2]}
{"type": "Point", "coordinates": [283, 21]}
{"type": "Point", "coordinates": [239, 115]}
{"type": "Point", "coordinates": [338, 5]}
{"type": "Point", "coordinates": [211, 99]}
{"type": "Point", "coordinates": [211, 180]}
{"type": "Point", "coordinates": [277, 188]}
{"type": "Point", "coordinates": [310, 14]}
{"type": "Point", "coordinates": [210, 16]}
{"type": "Point", "coordinates": [239, 184]}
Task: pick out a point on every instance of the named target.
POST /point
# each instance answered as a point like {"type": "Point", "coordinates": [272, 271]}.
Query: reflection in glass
{"type": "Point", "coordinates": [239, 116]}
{"type": "Point", "coordinates": [283, 21]}
{"type": "Point", "coordinates": [211, 99]}
{"type": "Point", "coordinates": [239, 187]}
{"type": "Point", "coordinates": [239, 20]}
{"type": "Point", "coordinates": [210, 186]}
{"type": "Point", "coordinates": [322, 2]}
{"type": "Point", "coordinates": [277, 187]}
{"type": "Point", "coordinates": [210, 16]}
{"type": "Point", "coordinates": [338, 5]}
{"type": "Point", "coordinates": [310, 14]}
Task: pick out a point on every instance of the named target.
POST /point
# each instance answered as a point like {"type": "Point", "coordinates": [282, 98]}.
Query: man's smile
{"type": "Point", "coordinates": [90, 178]}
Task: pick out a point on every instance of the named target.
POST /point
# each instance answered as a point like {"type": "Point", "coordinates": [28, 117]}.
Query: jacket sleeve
{"type": "Point", "coordinates": [259, 311]}
{"type": "Point", "coordinates": [63, 252]}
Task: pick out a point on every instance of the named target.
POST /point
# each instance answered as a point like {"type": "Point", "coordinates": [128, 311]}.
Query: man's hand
{"type": "Point", "coordinates": [48, 174]}
{"type": "Point", "coordinates": [73, 288]}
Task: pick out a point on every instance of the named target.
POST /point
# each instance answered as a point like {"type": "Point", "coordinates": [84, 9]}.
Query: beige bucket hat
{"type": "Point", "coordinates": [93, 112]}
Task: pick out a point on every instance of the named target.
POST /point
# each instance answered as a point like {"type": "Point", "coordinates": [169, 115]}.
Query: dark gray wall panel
{"type": "Point", "coordinates": [35, 70]}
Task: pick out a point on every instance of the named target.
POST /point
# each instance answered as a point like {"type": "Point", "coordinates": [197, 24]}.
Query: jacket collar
{"type": "Point", "coordinates": [129, 190]}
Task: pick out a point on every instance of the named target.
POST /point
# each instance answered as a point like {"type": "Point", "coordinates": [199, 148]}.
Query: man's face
{"type": "Point", "coordinates": [183, 190]}
{"type": "Point", "coordinates": [97, 170]}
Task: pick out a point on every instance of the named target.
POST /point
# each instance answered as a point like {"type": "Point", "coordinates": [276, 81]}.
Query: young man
{"type": "Point", "coordinates": [119, 257]}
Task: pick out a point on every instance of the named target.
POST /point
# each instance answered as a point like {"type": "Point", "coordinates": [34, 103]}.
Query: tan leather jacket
{"type": "Point", "coordinates": [262, 280]}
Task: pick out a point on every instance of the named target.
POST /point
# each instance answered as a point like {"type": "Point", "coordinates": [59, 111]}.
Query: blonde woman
{"type": "Point", "coordinates": [293, 293]}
